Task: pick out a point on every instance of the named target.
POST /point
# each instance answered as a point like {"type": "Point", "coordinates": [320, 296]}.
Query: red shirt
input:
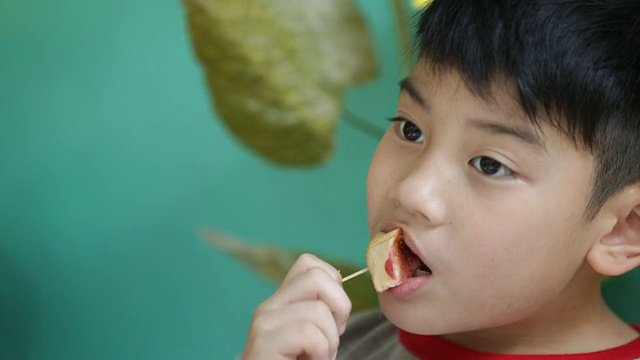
{"type": "Point", "coordinates": [427, 347]}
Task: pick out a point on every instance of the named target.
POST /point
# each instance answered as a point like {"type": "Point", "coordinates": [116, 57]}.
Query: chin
{"type": "Point", "coordinates": [423, 319]}
{"type": "Point", "coordinates": [407, 317]}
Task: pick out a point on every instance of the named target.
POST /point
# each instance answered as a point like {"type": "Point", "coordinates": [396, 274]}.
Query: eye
{"type": "Point", "coordinates": [408, 130]}
{"type": "Point", "coordinates": [490, 167]}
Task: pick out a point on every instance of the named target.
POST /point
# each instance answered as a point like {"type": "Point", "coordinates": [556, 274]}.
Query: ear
{"type": "Point", "coordinates": [618, 251]}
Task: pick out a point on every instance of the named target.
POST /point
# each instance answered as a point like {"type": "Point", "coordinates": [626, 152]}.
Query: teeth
{"type": "Point", "coordinates": [421, 271]}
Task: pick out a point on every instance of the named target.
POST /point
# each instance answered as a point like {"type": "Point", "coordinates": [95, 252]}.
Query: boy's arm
{"type": "Point", "coordinates": [304, 318]}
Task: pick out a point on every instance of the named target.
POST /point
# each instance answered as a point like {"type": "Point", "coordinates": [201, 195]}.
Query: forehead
{"type": "Point", "coordinates": [496, 105]}
{"type": "Point", "coordinates": [499, 94]}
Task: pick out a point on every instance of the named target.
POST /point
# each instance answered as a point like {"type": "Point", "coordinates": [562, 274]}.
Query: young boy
{"type": "Point", "coordinates": [513, 168]}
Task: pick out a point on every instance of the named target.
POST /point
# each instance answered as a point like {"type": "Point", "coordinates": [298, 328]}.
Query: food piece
{"type": "Point", "coordinates": [391, 262]}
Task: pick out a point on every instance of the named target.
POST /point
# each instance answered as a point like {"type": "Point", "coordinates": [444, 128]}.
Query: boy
{"type": "Point", "coordinates": [513, 168]}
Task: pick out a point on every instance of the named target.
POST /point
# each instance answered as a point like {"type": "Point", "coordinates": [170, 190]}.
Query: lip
{"type": "Point", "coordinates": [409, 287]}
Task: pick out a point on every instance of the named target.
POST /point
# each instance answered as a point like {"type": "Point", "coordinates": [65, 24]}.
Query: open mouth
{"type": "Point", "coordinates": [391, 261]}
{"type": "Point", "coordinates": [410, 262]}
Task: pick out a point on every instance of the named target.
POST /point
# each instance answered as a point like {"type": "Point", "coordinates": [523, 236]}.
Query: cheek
{"type": "Point", "coordinates": [375, 188]}
{"type": "Point", "coordinates": [379, 180]}
{"type": "Point", "coordinates": [512, 255]}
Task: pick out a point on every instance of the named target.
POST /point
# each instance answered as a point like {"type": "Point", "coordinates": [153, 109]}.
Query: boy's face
{"type": "Point", "coordinates": [493, 207]}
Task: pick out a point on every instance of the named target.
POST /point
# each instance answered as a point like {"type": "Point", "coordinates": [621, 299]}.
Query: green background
{"type": "Point", "coordinates": [112, 160]}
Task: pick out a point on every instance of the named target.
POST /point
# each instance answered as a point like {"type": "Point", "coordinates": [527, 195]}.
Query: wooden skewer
{"type": "Point", "coordinates": [357, 273]}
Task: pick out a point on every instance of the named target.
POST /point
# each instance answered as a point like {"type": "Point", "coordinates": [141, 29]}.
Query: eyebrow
{"type": "Point", "coordinates": [522, 134]}
{"type": "Point", "coordinates": [519, 133]}
{"type": "Point", "coordinates": [407, 85]}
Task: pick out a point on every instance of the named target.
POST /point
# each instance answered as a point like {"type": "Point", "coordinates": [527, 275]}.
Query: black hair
{"type": "Point", "coordinates": [575, 65]}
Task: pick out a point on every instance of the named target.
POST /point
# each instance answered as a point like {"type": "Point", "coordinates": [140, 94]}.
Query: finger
{"type": "Point", "coordinates": [299, 328]}
{"type": "Point", "coordinates": [319, 315]}
{"type": "Point", "coordinates": [314, 346]}
{"type": "Point", "coordinates": [306, 262]}
{"type": "Point", "coordinates": [314, 284]}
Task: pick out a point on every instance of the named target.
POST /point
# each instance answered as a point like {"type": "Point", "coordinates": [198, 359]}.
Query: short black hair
{"type": "Point", "coordinates": [575, 64]}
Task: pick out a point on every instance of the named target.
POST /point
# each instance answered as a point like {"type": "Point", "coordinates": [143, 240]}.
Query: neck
{"type": "Point", "coordinates": [577, 321]}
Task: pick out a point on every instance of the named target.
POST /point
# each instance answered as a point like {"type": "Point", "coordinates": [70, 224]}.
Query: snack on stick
{"type": "Point", "coordinates": [390, 261]}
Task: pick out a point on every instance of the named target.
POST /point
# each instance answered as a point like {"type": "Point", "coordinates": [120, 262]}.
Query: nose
{"type": "Point", "coordinates": [421, 191]}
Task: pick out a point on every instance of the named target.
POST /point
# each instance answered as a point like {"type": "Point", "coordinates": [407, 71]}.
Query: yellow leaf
{"type": "Point", "coordinates": [277, 69]}
{"type": "Point", "coordinates": [273, 263]}
{"type": "Point", "coordinates": [421, 3]}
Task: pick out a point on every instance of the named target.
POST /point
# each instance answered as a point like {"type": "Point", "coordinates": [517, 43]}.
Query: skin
{"type": "Point", "coordinates": [507, 241]}
{"type": "Point", "coordinates": [496, 208]}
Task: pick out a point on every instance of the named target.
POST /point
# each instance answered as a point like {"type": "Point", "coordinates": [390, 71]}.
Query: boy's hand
{"type": "Point", "coordinates": [304, 318]}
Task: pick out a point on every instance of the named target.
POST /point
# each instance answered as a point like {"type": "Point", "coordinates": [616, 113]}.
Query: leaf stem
{"type": "Point", "coordinates": [363, 125]}
{"type": "Point", "coordinates": [402, 27]}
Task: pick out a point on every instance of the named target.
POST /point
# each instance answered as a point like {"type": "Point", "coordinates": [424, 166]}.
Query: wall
{"type": "Point", "coordinates": [112, 160]}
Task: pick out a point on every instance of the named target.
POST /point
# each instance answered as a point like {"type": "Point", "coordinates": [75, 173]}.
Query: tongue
{"type": "Point", "coordinates": [402, 262]}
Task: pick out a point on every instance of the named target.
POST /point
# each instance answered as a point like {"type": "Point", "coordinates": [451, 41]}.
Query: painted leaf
{"type": "Point", "coordinates": [277, 70]}
{"type": "Point", "coordinates": [273, 263]}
